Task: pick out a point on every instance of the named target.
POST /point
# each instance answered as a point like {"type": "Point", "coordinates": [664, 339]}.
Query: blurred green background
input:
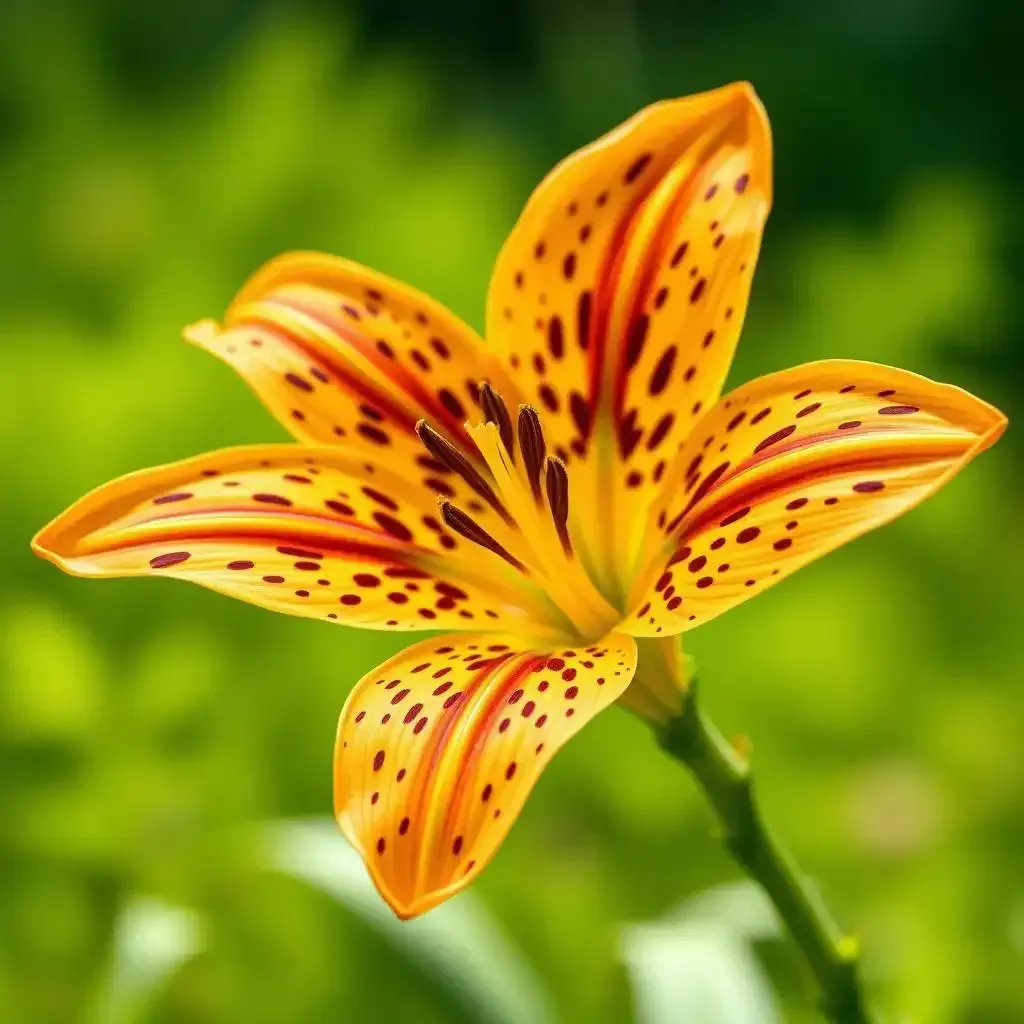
{"type": "Point", "coordinates": [152, 155]}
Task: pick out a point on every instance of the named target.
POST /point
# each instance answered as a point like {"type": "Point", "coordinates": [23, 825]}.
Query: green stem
{"type": "Point", "coordinates": [726, 779]}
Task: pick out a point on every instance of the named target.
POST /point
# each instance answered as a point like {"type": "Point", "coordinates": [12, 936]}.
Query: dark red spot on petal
{"type": "Point", "coordinates": [299, 552]}
{"type": "Point", "coordinates": [636, 168]}
{"type": "Point", "coordinates": [452, 404]}
{"type": "Point", "coordinates": [393, 526]}
{"type": "Point", "coordinates": [556, 338]}
{"type": "Point", "coordinates": [660, 432]}
{"type": "Point", "coordinates": [779, 435]}
{"type": "Point", "coordinates": [171, 558]}
{"type": "Point", "coordinates": [663, 370]}
{"type": "Point", "coordinates": [381, 499]}
{"type": "Point", "coordinates": [735, 517]}
{"type": "Point", "coordinates": [636, 338]}
{"type": "Point", "coordinates": [548, 397]}
{"type": "Point", "coordinates": [583, 311]}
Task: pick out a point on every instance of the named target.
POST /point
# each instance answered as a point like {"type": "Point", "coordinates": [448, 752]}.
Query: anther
{"type": "Point", "coordinates": [467, 527]}
{"type": "Point", "coordinates": [557, 483]}
{"type": "Point", "coordinates": [445, 452]}
{"type": "Point", "coordinates": [531, 444]}
{"type": "Point", "coordinates": [496, 412]}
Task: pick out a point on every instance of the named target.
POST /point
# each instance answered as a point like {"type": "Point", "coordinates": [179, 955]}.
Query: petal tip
{"type": "Point", "coordinates": [202, 332]}
{"type": "Point", "coordinates": [46, 543]}
{"type": "Point", "coordinates": [988, 435]}
{"type": "Point", "coordinates": [39, 545]}
{"type": "Point", "coordinates": [1000, 421]}
{"type": "Point", "coordinates": [742, 91]}
{"type": "Point", "coordinates": [404, 909]}
{"type": "Point", "coordinates": [739, 104]}
{"type": "Point", "coordinates": [421, 903]}
{"type": "Point", "coordinates": [52, 545]}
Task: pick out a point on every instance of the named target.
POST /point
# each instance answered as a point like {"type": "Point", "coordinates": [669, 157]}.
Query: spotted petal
{"type": "Point", "coordinates": [320, 532]}
{"type": "Point", "coordinates": [618, 298]}
{"type": "Point", "coordinates": [787, 468]}
{"type": "Point", "coordinates": [338, 351]}
{"type": "Point", "coordinates": [439, 747]}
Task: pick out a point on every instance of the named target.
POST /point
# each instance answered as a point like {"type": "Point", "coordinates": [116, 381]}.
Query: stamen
{"type": "Point", "coordinates": [495, 411]}
{"type": "Point", "coordinates": [467, 527]}
{"type": "Point", "coordinates": [531, 443]}
{"type": "Point", "coordinates": [557, 481]}
{"type": "Point", "coordinates": [444, 451]}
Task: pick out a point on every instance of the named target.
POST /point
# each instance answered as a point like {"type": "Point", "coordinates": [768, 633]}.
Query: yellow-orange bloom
{"type": "Point", "coordinates": [558, 501]}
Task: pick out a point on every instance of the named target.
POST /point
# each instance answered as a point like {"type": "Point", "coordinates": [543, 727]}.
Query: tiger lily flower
{"type": "Point", "coordinates": [561, 502]}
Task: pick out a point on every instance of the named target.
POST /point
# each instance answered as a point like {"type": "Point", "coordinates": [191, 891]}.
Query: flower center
{"type": "Point", "coordinates": [529, 491]}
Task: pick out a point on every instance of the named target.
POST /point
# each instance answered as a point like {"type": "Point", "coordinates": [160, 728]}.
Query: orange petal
{"type": "Point", "coordinates": [619, 295]}
{"type": "Point", "coordinates": [439, 747]}
{"type": "Point", "coordinates": [790, 466]}
{"type": "Point", "coordinates": [319, 532]}
{"type": "Point", "coordinates": [337, 351]}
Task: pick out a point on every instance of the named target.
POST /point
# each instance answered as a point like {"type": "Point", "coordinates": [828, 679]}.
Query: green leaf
{"type": "Point", "coordinates": [696, 964]}
{"type": "Point", "coordinates": [458, 941]}
{"type": "Point", "coordinates": [151, 941]}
